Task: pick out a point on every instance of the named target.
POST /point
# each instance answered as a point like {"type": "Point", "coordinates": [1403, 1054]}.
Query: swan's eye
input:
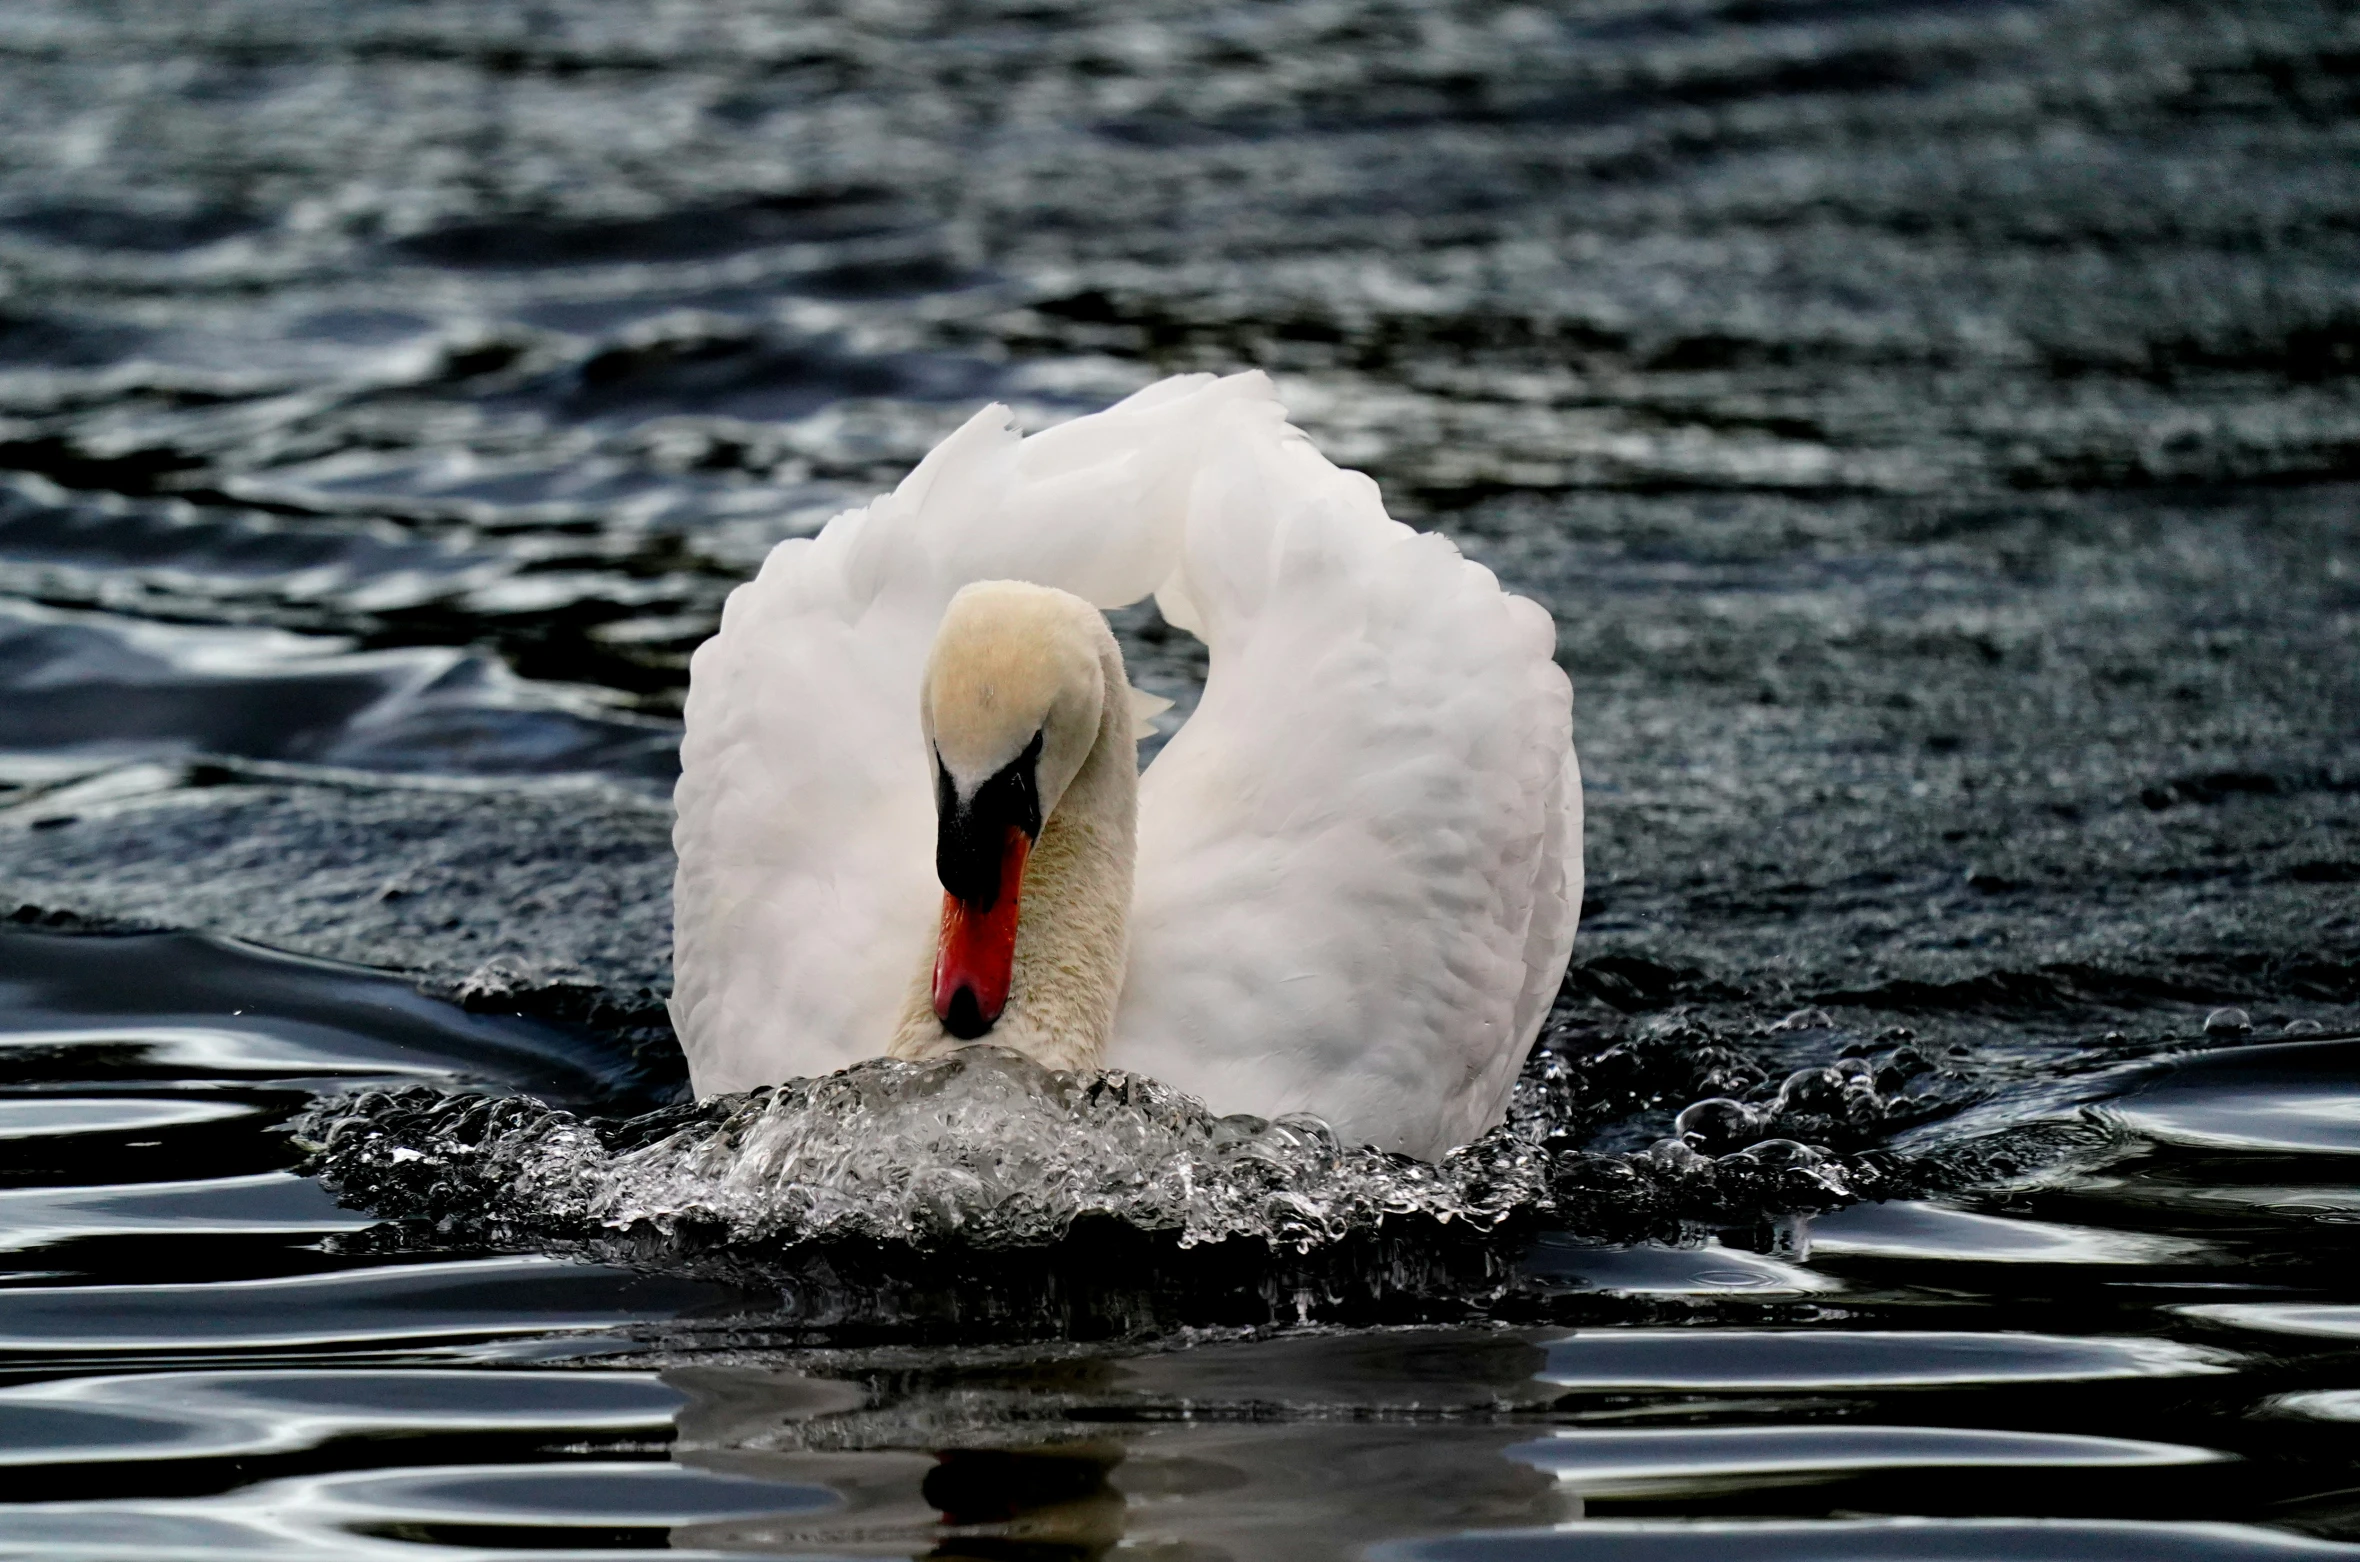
{"type": "Point", "coordinates": [971, 838]}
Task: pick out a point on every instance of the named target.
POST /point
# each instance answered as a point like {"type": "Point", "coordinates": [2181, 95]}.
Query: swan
{"type": "Point", "coordinates": [910, 816]}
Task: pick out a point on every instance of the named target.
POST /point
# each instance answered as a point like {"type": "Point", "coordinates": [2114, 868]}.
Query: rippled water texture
{"type": "Point", "coordinates": [1935, 427]}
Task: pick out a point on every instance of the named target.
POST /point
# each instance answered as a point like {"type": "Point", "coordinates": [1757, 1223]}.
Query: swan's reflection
{"type": "Point", "coordinates": [1247, 1451]}
{"type": "Point", "coordinates": [1032, 1503]}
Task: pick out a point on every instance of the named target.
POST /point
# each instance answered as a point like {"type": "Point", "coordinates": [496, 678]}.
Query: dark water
{"type": "Point", "coordinates": [1936, 427]}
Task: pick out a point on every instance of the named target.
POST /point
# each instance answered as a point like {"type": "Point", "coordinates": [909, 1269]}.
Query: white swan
{"type": "Point", "coordinates": [1347, 886]}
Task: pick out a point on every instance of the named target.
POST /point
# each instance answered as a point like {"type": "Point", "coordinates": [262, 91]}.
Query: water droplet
{"type": "Point", "coordinates": [1718, 1124]}
{"type": "Point", "coordinates": [1774, 1153]}
{"type": "Point", "coordinates": [1819, 1091]}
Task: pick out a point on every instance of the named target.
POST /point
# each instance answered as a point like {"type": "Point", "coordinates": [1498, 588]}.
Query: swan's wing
{"type": "Point", "coordinates": [1360, 859]}
{"type": "Point", "coordinates": [805, 901]}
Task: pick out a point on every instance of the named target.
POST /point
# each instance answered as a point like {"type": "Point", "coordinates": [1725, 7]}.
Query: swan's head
{"type": "Point", "coordinates": [1014, 695]}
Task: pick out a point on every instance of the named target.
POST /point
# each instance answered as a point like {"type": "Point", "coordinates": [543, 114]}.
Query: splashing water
{"type": "Point", "coordinates": [987, 1150]}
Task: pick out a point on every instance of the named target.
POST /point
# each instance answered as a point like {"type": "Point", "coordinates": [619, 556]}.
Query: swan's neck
{"type": "Point", "coordinates": [1071, 922]}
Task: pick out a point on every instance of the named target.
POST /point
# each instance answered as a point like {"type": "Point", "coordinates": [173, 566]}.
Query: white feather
{"type": "Point", "coordinates": [1145, 707]}
{"type": "Point", "coordinates": [1359, 859]}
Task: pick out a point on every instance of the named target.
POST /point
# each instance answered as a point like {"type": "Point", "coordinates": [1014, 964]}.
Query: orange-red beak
{"type": "Point", "coordinates": [979, 851]}
{"type": "Point", "coordinates": [977, 957]}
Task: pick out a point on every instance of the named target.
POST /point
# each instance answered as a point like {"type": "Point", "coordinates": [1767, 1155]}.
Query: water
{"type": "Point", "coordinates": [1933, 426]}
{"type": "Point", "coordinates": [2112, 1320]}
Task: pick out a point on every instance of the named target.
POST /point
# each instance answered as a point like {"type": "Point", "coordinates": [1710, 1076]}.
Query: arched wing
{"type": "Point", "coordinates": [805, 899]}
{"type": "Point", "coordinates": [1360, 859]}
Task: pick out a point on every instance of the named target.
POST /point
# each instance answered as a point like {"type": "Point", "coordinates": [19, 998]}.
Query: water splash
{"type": "Point", "coordinates": [987, 1150]}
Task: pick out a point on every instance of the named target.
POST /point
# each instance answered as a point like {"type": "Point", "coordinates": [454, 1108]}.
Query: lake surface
{"type": "Point", "coordinates": [1935, 426]}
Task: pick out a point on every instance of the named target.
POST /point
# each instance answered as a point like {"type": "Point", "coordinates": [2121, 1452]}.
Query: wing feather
{"type": "Point", "coordinates": [1359, 860]}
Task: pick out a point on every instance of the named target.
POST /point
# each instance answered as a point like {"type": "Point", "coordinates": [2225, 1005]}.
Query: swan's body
{"type": "Point", "coordinates": [1347, 886]}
